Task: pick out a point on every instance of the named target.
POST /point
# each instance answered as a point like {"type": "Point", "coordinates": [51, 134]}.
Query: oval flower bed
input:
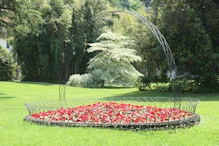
{"type": "Point", "coordinates": [112, 113]}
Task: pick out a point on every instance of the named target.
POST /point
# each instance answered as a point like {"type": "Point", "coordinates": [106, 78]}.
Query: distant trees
{"type": "Point", "coordinates": [51, 37]}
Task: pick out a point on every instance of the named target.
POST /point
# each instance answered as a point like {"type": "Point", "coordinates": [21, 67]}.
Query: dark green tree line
{"type": "Point", "coordinates": [57, 46]}
{"type": "Point", "coordinates": [191, 28]}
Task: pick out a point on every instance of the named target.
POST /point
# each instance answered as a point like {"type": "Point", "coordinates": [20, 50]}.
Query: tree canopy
{"type": "Point", "coordinates": [51, 37]}
{"type": "Point", "coordinates": [191, 28]}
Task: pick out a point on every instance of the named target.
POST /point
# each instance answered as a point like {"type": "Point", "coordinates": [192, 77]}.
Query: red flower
{"type": "Point", "coordinates": [112, 113]}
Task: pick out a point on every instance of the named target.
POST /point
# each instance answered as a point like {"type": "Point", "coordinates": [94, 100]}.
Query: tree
{"type": "Point", "coordinates": [91, 31]}
{"type": "Point", "coordinates": [192, 32]}
{"type": "Point", "coordinates": [7, 8]}
{"type": "Point", "coordinates": [40, 49]}
{"type": "Point", "coordinates": [54, 48]}
{"type": "Point", "coordinates": [126, 4]}
{"type": "Point", "coordinates": [153, 57]}
{"type": "Point", "coordinates": [77, 38]}
{"type": "Point", "coordinates": [7, 68]}
{"type": "Point", "coordinates": [113, 61]}
{"type": "Point", "coordinates": [17, 16]}
{"type": "Point", "coordinates": [112, 64]}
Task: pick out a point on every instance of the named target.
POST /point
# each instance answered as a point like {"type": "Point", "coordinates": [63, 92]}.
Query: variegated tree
{"type": "Point", "coordinates": [112, 65]}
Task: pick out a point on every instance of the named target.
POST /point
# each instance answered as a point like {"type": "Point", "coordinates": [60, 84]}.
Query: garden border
{"type": "Point", "coordinates": [185, 104]}
{"type": "Point", "coordinates": [191, 121]}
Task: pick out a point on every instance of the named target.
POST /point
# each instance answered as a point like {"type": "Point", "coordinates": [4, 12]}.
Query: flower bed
{"type": "Point", "coordinates": [112, 113]}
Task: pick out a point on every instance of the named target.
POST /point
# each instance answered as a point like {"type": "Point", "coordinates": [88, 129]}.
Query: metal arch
{"type": "Point", "coordinates": [164, 44]}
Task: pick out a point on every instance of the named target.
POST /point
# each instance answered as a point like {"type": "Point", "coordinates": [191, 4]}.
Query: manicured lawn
{"type": "Point", "coordinates": [13, 131]}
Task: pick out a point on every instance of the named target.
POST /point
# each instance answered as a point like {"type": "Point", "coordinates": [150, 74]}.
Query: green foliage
{"type": "Point", "coordinates": [147, 83]}
{"type": "Point", "coordinates": [192, 32]}
{"type": "Point", "coordinates": [51, 49]}
{"type": "Point", "coordinates": [185, 84]}
{"type": "Point", "coordinates": [126, 4]}
{"type": "Point", "coordinates": [207, 88]}
{"type": "Point", "coordinates": [39, 52]}
{"type": "Point", "coordinates": [7, 8]}
{"type": "Point", "coordinates": [7, 68]}
{"type": "Point", "coordinates": [153, 57]}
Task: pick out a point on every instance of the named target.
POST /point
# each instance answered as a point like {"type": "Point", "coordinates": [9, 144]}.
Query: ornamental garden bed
{"type": "Point", "coordinates": [143, 114]}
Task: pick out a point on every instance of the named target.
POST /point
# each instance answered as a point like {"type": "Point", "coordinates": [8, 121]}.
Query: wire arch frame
{"type": "Point", "coordinates": [164, 44]}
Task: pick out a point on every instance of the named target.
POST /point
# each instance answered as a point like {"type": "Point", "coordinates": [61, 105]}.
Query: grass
{"type": "Point", "coordinates": [15, 132]}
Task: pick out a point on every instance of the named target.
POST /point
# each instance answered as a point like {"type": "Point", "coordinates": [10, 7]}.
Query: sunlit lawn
{"type": "Point", "coordinates": [13, 131]}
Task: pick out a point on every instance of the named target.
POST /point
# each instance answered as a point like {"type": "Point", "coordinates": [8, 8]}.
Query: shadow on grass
{"type": "Point", "coordinates": [105, 87]}
{"type": "Point", "coordinates": [146, 96]}
{"type": "Point", "coordinates": [36, 83]}
{"type": "Point", "coordinates": [6, 97]}
{"type": "Point", "coordinates": [163, 96]}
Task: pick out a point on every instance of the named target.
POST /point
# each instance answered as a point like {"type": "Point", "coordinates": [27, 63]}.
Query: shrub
{"type": "Point", "coordinates": [183, 84]}
{"type": "Point", "coordinates": [7, 68]}
{"type": "Point", "coordinates": [84, 80]}
{"type": "Point", "coordinates": [144, 83]}
{"type": "Point", "coordinates": [74, 80]}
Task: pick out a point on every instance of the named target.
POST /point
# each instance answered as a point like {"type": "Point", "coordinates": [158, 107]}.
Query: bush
{"type": "Point", "coordinates": [207, 88]}
{"type": "Point", "coordinates": [183, 84]}
{"type": "Point", "coordinates": [74, 80]}
{"type": "Point", "coordinates": [84, 80]}
{"type": "Point", "coordinates": [144, 83]}
{"type": "Point", "coordinates": [7, 68]}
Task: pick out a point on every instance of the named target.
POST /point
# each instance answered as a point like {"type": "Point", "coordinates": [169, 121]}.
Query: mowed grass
{"type": "Point", "coordinates": [15, 132]}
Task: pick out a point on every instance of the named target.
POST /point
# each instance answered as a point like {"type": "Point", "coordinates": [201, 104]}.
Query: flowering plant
{"type": "Point", "coordinates": [113, 113]}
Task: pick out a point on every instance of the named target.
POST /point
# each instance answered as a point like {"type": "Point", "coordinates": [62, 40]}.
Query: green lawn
{"type": "Point", "coordinates": [13, 131]}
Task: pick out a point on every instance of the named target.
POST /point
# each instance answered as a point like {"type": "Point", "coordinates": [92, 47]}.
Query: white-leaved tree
{"type": "Point", "coordinates": [112, 66]}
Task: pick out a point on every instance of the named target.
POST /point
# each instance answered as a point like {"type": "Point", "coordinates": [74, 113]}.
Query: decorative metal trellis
{"type": "Point", "coordinates": [174, 107]}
